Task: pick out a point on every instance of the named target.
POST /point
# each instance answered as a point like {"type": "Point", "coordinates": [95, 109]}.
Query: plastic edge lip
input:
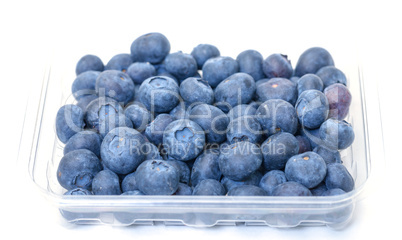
{"type": "Point", "coordinates": [374, 141]}
{"type": "Point", "coordinates": [29, 143]}
{"type": "Point", "coordinates": [98, 202]}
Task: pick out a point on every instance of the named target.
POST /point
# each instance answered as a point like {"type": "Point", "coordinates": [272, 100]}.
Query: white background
{"type": "Point", "coordinates": [31, 30]}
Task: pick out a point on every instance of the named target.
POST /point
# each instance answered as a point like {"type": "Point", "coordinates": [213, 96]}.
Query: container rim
{"type": "Point", "coordinates": [221, 202]}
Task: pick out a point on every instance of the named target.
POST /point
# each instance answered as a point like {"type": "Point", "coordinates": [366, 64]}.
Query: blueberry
{"type": "Point", "coordinates": [119, 62]}
{"type": "Point", "coordinates": [304, 144]}
{"type": "Point", "coordinates": [136, 95]}
{"type": "Point", "coordinates": [277, 149]}
{"type": "Point", "coordinates": [336, 134]}
{"type": "Point", "coordinates": [339, 177]}
{"type": "Point", "coordinates": [139, 71]}
{"type": "Point", "coordinates": [89, 63]}
{"type": "Point", "coordinates": [212, 120]}
{"type": "Point", "coordinates": [179, 112]}
{"type": "Point", "coordinates": [294, 79]}
{"type": "Point", "coordinates": [181, 65]}
{"type": "Point", "coordinates": [216, 69]}
{"type": "Point", "coordinates": [250, 62]}
{"type": "Point", "coordinates": [239, 160]}
{"type": "Point", "coordinates": [277, 115]}
{"type": "Point", "coordinates": [138, 115]}
{"type": "Point", "coordinates": [244, 128]}
{"type": "Point", "coordinates": [85, 100]}
{"type": "Point", "coordinates": [151, 151]}
{"type": "Point", "coordinates": [182, 169]}
{"type": "Point", "coordinates": [206, 166]}
{"type": "Point", "coordinates": [254, 179]}
{"type": "Point", "coordinates": [157, 177]}
{"type": "Point", "coordinates": [129, 184]}
{"type": "Point", "coordinates": [183, 140]}
{"type": "Point", "coordinates": [77, 169]}
{"type": "Point", "coordinates": [247, 190]}
{"type": "Point", "coordinates": [259, 82]}
{"type": "Point", "coordinates": [313, 136]}
{"type": "Point", "coordinates": [339, 99]}
{"type": "Point", "coordinates": [307, 168]}
{"type": "Point", "coordinates": [329, 155]}
{"type": "Point", "coordinates": [277, 66]}
{"type": "Point", "coordinates": [196, 90]}
{"type": "Point", "coordinates": [291, 189]}
{"type": "Point", "coordinates": [121, 150]}
{"type": "Point", "coordinates": [319, 189]}
{"type": "Point", "coordinates": [272, 179]}
{"type": "Point", "coordinates": [159, 94]}
{"type": "Point", "coordinates": [312, 108]}
{"type": "Point", "coordinates": [331, 75]}
{"type": "Point", "coordinates": [190, 163]}
{"type": "Point", "coordinates": [106, 182]}
{"type": "Point", "coordinates": [154, 130]}
{"type": "Point", "coordinates": [69, 121]}
{"type": "Point", "coordinates": [242, 110]}
{"type": "Point", "coordinates": [160, 67]}
{"type": "Point", "coordinates": [99, 109]}
{"type": "Point", "coordinates": [167, 74]}
{"type": "Point", "coordinates": [184, 189]}
{"type": "Point", "coordinates": [277, 88]}
{"type": "Point", "coordinates": [133, 193]}
{"type": "Point", "coordinates": [111, 121]}
{"type": "Point", "coordinates": [84, 140]}
{"type": "Point", "coordinates": [312, 60]}
{"type": "Point", "coordinates": [209, 187]}
{"type": "Point", "coordinates": [115, 84]}
{"type": "Point", "coordinates": [333, 192]}
{"type": "Point", "coordinates": [238, 88]}
{"type": "Point", "coordinates": [84, 84]}
{"type": "Point", "coordinates": [151, 47]}
{"type": "Point", "coordinates": [78, 192]}
{"type": "Point", "coordinates": [254, 105]}
{"type": "Point", "coordinates": [161, 71]}
{"type": "Point", "coordinates": [202, 52]}
{"type": "Point", "coordinates": [309, 81]}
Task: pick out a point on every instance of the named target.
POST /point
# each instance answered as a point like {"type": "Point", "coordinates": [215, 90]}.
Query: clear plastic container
{"type": "Point", "coordinates": [41, 152]}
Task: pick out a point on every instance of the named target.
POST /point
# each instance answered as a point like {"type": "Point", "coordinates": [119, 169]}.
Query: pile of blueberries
{"type": "Point", "coordinates": [158, 123]}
